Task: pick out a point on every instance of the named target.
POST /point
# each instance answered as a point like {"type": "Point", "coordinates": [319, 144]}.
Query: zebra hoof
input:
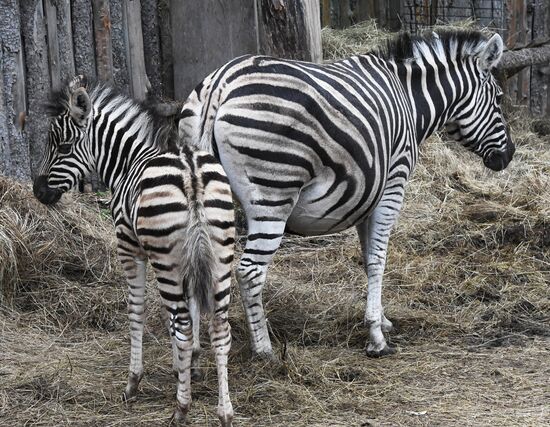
{"type": "Point", "coordinates": [267, 356]}
{"type": "Point", "coordinates": [130, 391]}
{"type": "Point", "coordinates": [385, 351]}
{"type": "Point", "coordinates": [178, 417]}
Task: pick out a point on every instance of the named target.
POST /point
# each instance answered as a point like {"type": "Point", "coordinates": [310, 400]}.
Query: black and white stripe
{"type": "Point", "coordinates": [314, 149]}
{"type": "Point", "coordinates": [173, 208]}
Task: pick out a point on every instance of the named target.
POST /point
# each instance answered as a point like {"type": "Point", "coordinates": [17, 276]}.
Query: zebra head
{"type": "Point", "coordinates": [67, 156]}
{"type": "Point", "coordinates": [478, 122]}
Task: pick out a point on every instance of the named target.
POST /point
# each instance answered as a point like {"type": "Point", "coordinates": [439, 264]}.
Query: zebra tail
{"type": "Point", "coordinates": [199, 261]}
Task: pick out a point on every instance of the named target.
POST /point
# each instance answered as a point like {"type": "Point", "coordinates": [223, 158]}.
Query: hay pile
{"type": "Point", "coordinates": [466, 286]}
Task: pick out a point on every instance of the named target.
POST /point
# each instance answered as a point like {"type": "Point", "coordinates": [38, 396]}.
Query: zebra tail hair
{"type": "Point", "coordinates": [199, 262]}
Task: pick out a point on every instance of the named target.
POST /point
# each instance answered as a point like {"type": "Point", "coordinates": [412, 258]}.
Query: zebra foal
{"type": "Point", "coordinates": [169, 207]}
{"type": "Point", "coordinates": [313, 149]}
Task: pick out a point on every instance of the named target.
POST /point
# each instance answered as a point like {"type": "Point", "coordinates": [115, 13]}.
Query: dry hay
{"type": "Point", "coordinates": [466, 286]}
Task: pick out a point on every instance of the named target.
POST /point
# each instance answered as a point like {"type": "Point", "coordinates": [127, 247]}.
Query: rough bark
{"type": "Point", "coordinates": [118, 40]}
{"type": "Point", "coordinates": [33, 28]}
{"type": "Point", "coordinates": [102, 38]}
{"type": "Point", "coordinates": [283, 30]}
{"type": "Point", "coordinates": [14, 150]}
{"type": "Point", "coordinates": [206, 35]}
{"type": "Point", "coordinates": [515, 60]}
{"type": "Point", "coordinates": [133, 40]}
{"type": "Point", "coordinates": [151, 44]}
{"type": "Point", "coordinates": [83, 38]}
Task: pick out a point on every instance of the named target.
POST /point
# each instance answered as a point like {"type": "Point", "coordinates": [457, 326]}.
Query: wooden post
{"type": "Point", "coordinates": [33, 29]}
{"type": "Point", "coordinates": [139, 85]}
{"type": "Point", "coordinates": [206, 35]}
{"type": "Point", "coordinates": [167, 58]}
{"type": "Point", "coordinates": [53, 46]}
{"type": "Point", "coordinates": [83, 38]}
{"type": "Point", "coordinates": [325, 11]}
{"type": "Point", "coordinates": [540, 74]}
{"type": "Point", "coordinates": [102, 35]}
{"type": "Point", "coordinates": [290, 31]}
{"type": "Point", "coordinates": [14, 147]}
{"type": "Point", "coordinates": [150, 27]}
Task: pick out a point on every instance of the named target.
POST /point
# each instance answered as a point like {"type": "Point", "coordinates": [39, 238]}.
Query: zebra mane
{"type": "Point", "coordinates": [456, 44]}
{"type": "Point", "coordinates": [164, 129]}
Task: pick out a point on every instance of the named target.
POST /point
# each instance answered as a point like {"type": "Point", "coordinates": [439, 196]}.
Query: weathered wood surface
{"type": "Point", "coordinates": [102, 39]}
{"type": "Point", "coordinates": [284, 26]}
{"type": "Point", "coordinates": [14, 152]}
{"type": "Point", "coordinates": [139, 84]}
{"type": "Point", "coordinates": [83, 38]}
{"type": "Point", "coordinates": [33, 29]}
{"type": "Point", "coordinates": [206, 34]}
{"type": "Point", "coordinates": [150, 23]}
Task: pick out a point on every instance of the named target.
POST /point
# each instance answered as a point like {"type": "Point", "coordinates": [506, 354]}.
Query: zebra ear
{"type": "Point", "coordinates": [491, 53]}
{"type": "Point", "coordinates": [80, 106]}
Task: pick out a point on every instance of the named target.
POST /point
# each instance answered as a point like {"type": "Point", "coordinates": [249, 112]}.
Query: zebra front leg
{"type": "Point", "coordinates": [263, 240]}
{"type": "Point", "coordinates": [374, 235]}
{"type": "Point", "coordinates": [135, 275]}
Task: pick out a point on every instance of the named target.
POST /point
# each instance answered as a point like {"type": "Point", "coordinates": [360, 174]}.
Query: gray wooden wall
{"type": "Point", "coordinates": [163, 47]}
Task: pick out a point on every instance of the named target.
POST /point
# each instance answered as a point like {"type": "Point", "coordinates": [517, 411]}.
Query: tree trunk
{"type": "Point", "coordinates": [14, 149]}
{"type": "Point", "coordinates": [33, 28]}
{"type": "Point", "coordinates": [290, 29]}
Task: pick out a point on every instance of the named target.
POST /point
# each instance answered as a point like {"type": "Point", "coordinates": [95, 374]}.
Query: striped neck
{"type": "Point", "coordinates": [122, 135]}
{"type": "Point", "coordinates": [436, 87]}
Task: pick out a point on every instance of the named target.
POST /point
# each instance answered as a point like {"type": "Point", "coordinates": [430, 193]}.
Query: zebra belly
{"type": "Point", "coordinates": [308, 218]}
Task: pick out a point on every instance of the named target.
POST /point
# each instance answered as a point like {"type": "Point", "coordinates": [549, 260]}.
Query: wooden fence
{"type": "Point", "coordinates": [160, 46]}
{"type": "Point", "coordinates": [167, 46]}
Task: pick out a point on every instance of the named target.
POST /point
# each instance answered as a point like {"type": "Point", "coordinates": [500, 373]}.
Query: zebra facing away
{"type": "Point", "coordinates": [314, 149]}
{"type": "Point", "coordinates": [174, 209]}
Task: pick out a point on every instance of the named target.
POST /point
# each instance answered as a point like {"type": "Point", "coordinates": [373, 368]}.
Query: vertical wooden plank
{"type": "Point", "coordinates": [53, 46]}
{"type": "Point", "coordinates": [325, 13]}
{"type": "Point", "coordinates": [33, 29]}
{"type": "Point", "coordinates": [219, 32]}
{"type": "Point", "coordinates": [540, 74]}
{"type": "Point", "coordinates": [523, 35]}
{"type": "Point", "coordinates": [312, 20]}
{"type": "Point", "coordinates": [139, 85]}
{"type": "Point", "coordinates": [121, 69]}
{"type": "Point", "coordinates": [83, 38]}
{"type": "Point", "coordinates": [65, 39]}
{"type": "Point", "coordinates": [150, 27]}
{"type": "Point", "coordinates": [167, 58]}
{"type": "Point", "coordinates": [511, 38]}
{"type": "Point", "coordinates": [102, 36]}
{"type": "Point", "coordinates": [14, 147]}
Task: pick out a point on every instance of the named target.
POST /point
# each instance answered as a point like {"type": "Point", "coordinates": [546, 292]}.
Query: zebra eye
{"type": "Point", "coordinates": [64, 148]}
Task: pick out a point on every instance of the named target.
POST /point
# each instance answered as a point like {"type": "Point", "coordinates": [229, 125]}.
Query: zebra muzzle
{"type": "Point", "coordinates": [44, 193]}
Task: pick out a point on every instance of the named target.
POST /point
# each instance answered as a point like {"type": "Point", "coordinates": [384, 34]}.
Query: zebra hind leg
{"type": "Point", "coordinates": [182, 337]}
{"type": "Point", "coordinates": [220, 336]}
{"type": "Point", "coordinates": [263, 240]}
{"type": "Point", "coordinates": [135, 275]}
{"type": "Point", "coordinates": [196, 372]}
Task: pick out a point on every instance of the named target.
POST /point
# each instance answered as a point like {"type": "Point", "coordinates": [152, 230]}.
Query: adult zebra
{"type": "Point", "coordinates": [172, 208]}
{"type": "Point", "coordinates": [315, 149]}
